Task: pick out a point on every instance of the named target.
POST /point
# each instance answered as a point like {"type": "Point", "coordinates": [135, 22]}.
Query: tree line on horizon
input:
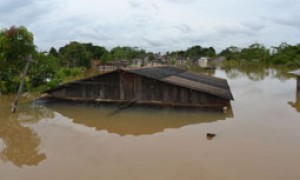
{"type": "Point", "coordinates": [58, 65]}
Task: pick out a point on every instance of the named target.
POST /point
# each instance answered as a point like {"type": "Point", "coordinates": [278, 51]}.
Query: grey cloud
{"type": "Point", "coordinates": [181, 1]}
{"type": "Point", "coordinates": [198, 39]}
{"type": "Point", "coordinates": [293, 21]}
{"type": "Point", "coordinates": [142, 5]}
{"type": "Point", "coordinates": [92, 35]}
{"type": "Point", "coordinates": [64, 30]}
{"type": "Point", "coordinates": [155, 6]}
{"type": "Point", "coordinates": [286, 13]}
{"type": "Point", "coordinates": [23, 13]}
{"type": "Point", "coordinates": [254, 26]}
{"type": "Point", "coordinates": [184, 28]}
{"type": "Point", "coordinates": [152, 24]}
{"type": "Point", "coordinates": [286, 4]}
{"type": "Point", "coordinates": [152, 42]}
{"type": "Point", "coordinates": [14, 5]}
{"type": "Point", "coordinates": [233, 31]}
{"type": "Point", "coordinates": [100, 34]}
{"type": "Point", "coordinates": [135, 4]}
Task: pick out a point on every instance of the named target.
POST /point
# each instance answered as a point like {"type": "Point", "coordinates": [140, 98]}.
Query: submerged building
{"type": "Point", "coordinates": [296, 104]}
{"type": "Point", "coordinates": [162, 86]}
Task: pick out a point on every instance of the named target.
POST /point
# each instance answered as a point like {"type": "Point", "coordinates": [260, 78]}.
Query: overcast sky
{"type": "Point", "coordinates": [155, 25]}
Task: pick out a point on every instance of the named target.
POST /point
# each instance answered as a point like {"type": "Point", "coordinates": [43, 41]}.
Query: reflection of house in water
{"type": "Point", "coordinates": [296, 104]}
{"type": "Point", "coordinates": [133, 121]}
{"type": "Point", "coordinates": [20, 144]}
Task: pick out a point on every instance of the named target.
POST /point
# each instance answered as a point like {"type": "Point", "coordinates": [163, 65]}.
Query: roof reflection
{"type": "Point", "coordinates": [135, 120]}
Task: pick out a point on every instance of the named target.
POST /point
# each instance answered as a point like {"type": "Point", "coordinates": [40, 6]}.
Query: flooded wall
{"type": "Point", "coordinates": [123, 86]}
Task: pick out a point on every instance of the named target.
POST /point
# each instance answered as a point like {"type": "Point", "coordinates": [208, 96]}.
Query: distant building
{"type": "Point", "coordinates": [203, 62]}
{"type": "Point", "coordinates": [138, 63]}
{"type": "Point", "coordinates": [95, 63]}
{"type": "Point", "coordinates": [160, 58]}
{"type": "Point", "coordinates": [109, 66]}
{"type": "Point", "coordinates": [106, 67]}
{"type": "Point", "coordinates": [154, 63]}
{"type": "Point", "coordinates": [181, 62]}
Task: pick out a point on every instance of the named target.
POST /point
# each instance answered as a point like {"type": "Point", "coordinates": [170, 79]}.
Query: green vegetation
{"type": "Point", "coordinates": [127, 53]}
{"type": "Point", "coordinates": [284, 54]}
{"type": "Point", "coordinates": [72, 60]}
{"type": "Point", "coordinates": [15, 45]}
{"type": "Point", "coordinates": [194, 52]}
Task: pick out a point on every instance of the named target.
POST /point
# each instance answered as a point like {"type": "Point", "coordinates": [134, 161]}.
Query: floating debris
{"type": "Point", "coordinates": [210, 136]}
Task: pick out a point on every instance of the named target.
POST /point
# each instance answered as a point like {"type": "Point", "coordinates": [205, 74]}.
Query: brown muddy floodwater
{"type": "Point", "coordinates": [260, 139]}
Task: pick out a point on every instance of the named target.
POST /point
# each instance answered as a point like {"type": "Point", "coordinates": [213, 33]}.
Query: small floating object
{"type": "Point", "coordinates": [210, 136]}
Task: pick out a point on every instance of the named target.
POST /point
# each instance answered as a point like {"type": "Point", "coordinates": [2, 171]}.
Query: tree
{"type": "Point", "coordinates": [53, 52]}
{"type": "Point", "coordinates": [198, 51]}
{"type": "Point", "coordinates": [256, 52]}
{"type": "Point", "coordinates": [96, 51]}
{"type": "Point", "coordinates": [127, 53]}
{"type": "Point", "coordinates": [107, 57]}
{"type": "Point", "coordinates": [75, 54]}
{"type": "Point", "coordinates": [150, 56]}
{"type": "Point", "coordinates": [16, 43]}
{"type": "Point", "coordinates": [286, 54]}
{"type": "Point", "coordinates": [210, 52]}
{"type": "Point", "coordinates": [43, 70]}
{"type": "Point", "coordinates": [231, 53]}
{"type": "Point", "coordinates": [194, 52]}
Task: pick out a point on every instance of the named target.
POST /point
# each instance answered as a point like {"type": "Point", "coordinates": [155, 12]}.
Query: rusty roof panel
{"type": "Point", "coordinates": [199, 86]}
{"type": "Point", "coordinates": [201, 78]}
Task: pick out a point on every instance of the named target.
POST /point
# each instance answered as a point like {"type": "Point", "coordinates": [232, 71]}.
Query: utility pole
{"type": "Point", "coordinates": [15, 104]}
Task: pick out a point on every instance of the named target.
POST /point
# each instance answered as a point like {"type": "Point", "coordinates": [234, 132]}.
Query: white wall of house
{"type": "Point", "coordinates": [202, 62]}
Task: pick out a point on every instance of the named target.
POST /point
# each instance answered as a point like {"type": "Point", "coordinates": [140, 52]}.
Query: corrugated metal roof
{"type": "Point", "coordinates": [199, 86]}
{"type": "Point", "coordinates": [201, 78]}
{"type": "Point", "coordinates": [157, 72]}
{"type": "Point", "coordinates": [179, 77]}
{"type": "Point", "coordinates": [79, 81]}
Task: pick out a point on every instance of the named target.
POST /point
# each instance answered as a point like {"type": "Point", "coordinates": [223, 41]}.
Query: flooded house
{"type": "Point", "coordinates": [160, 86]}
{"type": "Point", "coordinates": [296, 104]}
